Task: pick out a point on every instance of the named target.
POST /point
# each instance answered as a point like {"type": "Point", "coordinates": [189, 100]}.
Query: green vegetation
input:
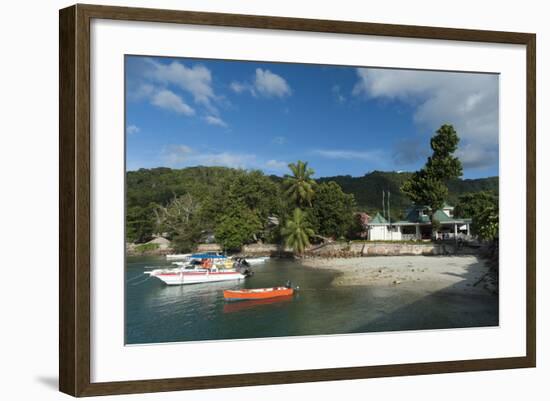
{"type": "Point", "coordinates": [140, 222]}
{"type": "Point", "coordinates": [300, 190]}
{"type": "Point", "coordinates": [367, 189]}
{"type": "Point", "coordinates": [142, 248]}
{"type": "Point", "coordinates": [237, 207]}
{"type": "Point", "coordinates": [300, 186]}
{"type": "Point", "coordinates": [331, 214]}
{"type": "Point", "coordinates": [297, 232]}
{"type": "Point", "coordinates": [428, 186]}
{"type": "Point", "coordinates": [482, 208]}
{"type": "Point", "coordinates": [181, 219]}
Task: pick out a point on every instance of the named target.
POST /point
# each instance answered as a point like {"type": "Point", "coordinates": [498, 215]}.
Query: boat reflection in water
{"type": "Point", "coordinates": [232, 307]}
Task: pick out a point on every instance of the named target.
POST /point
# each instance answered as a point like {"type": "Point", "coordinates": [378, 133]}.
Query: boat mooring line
{"type": "Point", "coordinates": [134, 278]}
{"type": "Point", "coordinates": [139, 282]}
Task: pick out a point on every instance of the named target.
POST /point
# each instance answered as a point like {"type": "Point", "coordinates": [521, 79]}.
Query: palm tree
{"type": "Point", "coordinates": [299, 185]}
{"type": "Point", "coordinates": [297, 232]}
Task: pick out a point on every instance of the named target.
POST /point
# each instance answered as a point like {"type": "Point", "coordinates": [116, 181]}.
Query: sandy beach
{"type": "Point", "coordinates": [417, 292]}
{"type": "Point", "coordinates": [424, 274]}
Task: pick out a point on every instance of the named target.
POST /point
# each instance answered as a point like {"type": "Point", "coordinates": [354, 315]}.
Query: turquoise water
{"type": "Point", "coordinates": [159, 313]}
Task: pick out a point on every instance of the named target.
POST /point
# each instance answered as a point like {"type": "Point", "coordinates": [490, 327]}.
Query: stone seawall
{"type": "Point", "coordinates": [331, 249]}
{"type": "Point", "coordinates": [208, 248]}
{"type": "Point", "coordinates": [345, 249]}
{"type": "Point", "coordinates": [339, 249]}
{"type": "Point", "coordinates": [265, 250]}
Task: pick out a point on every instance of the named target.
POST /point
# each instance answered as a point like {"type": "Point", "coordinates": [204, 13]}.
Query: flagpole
{"type": "Point", "coordinates": [389, 217]}
{"type": "Point", "coordinates": [383, 204]}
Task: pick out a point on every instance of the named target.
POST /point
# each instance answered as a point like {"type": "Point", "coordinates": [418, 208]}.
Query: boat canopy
{"type": "Point", "coordinates": [207, 256]}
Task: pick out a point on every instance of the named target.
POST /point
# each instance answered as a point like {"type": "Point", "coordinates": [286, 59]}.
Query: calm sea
{"type": "Point", "coordinates": [159, 313]}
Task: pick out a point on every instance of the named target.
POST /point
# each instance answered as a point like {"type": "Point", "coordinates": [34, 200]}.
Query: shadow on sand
{"type": "Point", "coordinates": [460, 305]}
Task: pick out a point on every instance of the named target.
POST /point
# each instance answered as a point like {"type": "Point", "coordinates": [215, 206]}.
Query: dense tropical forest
{"type": "Point", "coordinates": [236, 206]}
{"type": "Point", "coordinates": [232, 202]}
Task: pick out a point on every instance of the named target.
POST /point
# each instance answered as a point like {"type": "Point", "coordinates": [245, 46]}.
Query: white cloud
{"type": "Point", "coordinates": [276, 165]}
{"type": "Point", "coordinates": [183, 155]}
{"type": "Point", "coordinates": [182, 88]}
{"type": "Point", "coordinates": [227, 159]}
{"type": "Point", "coordinates": [336, 90]}
{"type": "Point", "coordinates": [407, 151]}
{"type": "Point", "coordinates": [264, 83]}
{"type": "Point", "coordinates": [477, 157]}
{"type": "Point", "coordinates": [368, 155]}
{"type": "Point", "coordinates": [141, 91]}
{"type": "Point", "coordinates": [212, 120]}
{"type": "Point", "coordinates": [132, 129]}
{"type": "Point", "coordinates": [168, 100]}
{"type": "Point", "coordinates": [279, 140]}
{"type": "Point", "coordinates": [467, 101]}
{"type": "Point", "coordinates": [270, 84]}
{"type": "Point", "coordinates": [177, 154]}
{"type": "Point", "coordinates": [238, 87]}
{"type": "Point", "coordinates": [197, 80]}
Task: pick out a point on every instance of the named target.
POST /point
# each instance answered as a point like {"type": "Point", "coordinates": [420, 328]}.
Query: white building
{"type": "Point", "coordinates": [417, 226]}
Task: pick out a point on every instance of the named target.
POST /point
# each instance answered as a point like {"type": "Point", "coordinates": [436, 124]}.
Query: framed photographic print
{"type": "Point", "coordinates": [250, 200]}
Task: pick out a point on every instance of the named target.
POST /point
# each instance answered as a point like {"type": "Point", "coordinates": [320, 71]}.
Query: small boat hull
{"type": "Point", "coordinates": [196, 277]}
{"type": "Point", "coordinates": [257, 261]}
{"type": "Point", "coordinates": [233, 307]}
{"type": "Point", "coordinates": [255, 294]}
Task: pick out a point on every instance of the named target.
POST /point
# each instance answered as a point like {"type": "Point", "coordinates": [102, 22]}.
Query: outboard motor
{"type": "Point", "coordinates": [243, 270]}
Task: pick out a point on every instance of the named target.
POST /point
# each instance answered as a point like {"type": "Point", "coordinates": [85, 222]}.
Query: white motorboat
{"type": "Point", "coordinates": [178, 256]}
{"type": "Point", "coordinates": [181, 276]}
{"type": "Point", "coordinates": [257, 261]}
{"type": "Point", "coordinates": [209, 270]}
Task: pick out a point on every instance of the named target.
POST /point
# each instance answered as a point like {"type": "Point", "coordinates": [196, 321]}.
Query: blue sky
{"type": "Point", "coordinates": [184, 112]}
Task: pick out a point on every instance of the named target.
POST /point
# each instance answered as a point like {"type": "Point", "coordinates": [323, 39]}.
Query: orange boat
{"type": "Point", "coordinates": [258, 293]}
{"type": "Point", "coordinates": [237, 306]}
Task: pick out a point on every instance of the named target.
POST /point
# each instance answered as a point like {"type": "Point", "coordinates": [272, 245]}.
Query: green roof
{"type": "Point", "coordinates": [413, 217]}
{"type": "Point", "coordinates": [378, 219]}
{"type": "Point", "coordinates": [442, 217]}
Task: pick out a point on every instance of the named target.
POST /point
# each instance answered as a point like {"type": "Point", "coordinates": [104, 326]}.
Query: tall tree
{"type": "Point", "coordinates": [259, 193]}
{"type": "Point", "coordinates": [332, 210]}
{"type": "Point", "coordinates": [300, 186]}
{"type": "Point", "coordinates": [181, 220]}
{"type": "Point", "coordinates": [140, 225]}
{"type": "Point", "coordinates": [297, 232]}
{"type": "Point", "coordinates": [176, 214]}
{"type": "Point", "coordinates": [482, 208]}
{"type": "Point", "coordinates": [237, 227]}
{"type": "Point", "coordinates": [428, 186]}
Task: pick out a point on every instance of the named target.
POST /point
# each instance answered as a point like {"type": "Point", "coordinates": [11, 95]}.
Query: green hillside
{"type": "Point", "coordinates": [147, 189]}
{"type": "Point", "coordinates": [368, 189]}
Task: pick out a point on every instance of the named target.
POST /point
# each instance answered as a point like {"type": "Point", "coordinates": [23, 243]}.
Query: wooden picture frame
{"type": "Point", "coordinates": [74, 204]}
